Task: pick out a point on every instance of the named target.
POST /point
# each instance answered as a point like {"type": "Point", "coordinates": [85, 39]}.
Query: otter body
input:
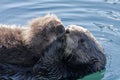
{"type": "Point", "coordinates": [12, 49]}
{"type": "Point", "coordinates": [23, 46]}
{"type": "Point", "coordinates": [76, 54]}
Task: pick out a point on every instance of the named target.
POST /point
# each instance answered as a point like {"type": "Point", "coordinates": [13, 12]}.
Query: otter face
{"type": "Point", "coordinates": [43, 31]}
{"type": "Point", "coordinates": [53, 29]}
{"type": "Point", "coordinates": [83, 51]}
{"type": "Point", "coordinates": [73, 55]}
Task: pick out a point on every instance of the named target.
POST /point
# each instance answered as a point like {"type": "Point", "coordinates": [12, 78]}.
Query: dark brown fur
{"type": "Point", "coordinates": [23, 46]}
{"type": "Point", "coordinates": [74, 55]}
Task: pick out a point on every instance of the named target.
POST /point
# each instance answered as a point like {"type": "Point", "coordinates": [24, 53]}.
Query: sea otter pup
{"type": "Point", "coordinates": [23, 46]}
{"type": "Point", "coordinates": [75, 54]}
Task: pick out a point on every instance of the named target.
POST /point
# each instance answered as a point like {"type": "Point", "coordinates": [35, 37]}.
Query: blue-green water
{"type": "Point", "coordinates": [101, 17]}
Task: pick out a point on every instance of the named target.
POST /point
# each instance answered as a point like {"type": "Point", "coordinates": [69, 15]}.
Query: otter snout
{"type": "Point", "coordinates": [60, 30]}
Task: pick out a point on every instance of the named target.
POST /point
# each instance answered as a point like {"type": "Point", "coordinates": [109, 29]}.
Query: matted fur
{"type": "Point", "coordinates": [23, 46]}
{"type": "Point", "coordinates": [42, 31]}
{"type": "Point", "coordinates": [74, 55]}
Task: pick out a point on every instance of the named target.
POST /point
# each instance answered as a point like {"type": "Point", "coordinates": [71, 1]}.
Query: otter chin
{"type": "Point", "coordinates": [74, 55]}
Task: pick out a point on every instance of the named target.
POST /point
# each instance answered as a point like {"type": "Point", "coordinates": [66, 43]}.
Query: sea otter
{"type": "Point", "coordinates": [23, 46]}
{"type": "Point", "coordinates": [75, 54]}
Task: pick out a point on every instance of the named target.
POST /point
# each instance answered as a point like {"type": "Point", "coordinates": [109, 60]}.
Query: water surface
{"type": "Point", "coordinates": [101, 17]}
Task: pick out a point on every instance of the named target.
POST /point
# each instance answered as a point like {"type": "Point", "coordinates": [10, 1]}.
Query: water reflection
{"type": "Point", "coordinates": [95, 76]}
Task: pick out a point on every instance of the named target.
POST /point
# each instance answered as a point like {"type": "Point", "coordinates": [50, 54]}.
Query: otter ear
{"type": "Point", "coordinates": [67, 31]}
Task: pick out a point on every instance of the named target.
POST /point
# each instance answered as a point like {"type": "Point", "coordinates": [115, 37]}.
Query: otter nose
{"type": "Point", "coordinates": [67, 31]}
{"type": "Point", "coordinates": [60, 29]}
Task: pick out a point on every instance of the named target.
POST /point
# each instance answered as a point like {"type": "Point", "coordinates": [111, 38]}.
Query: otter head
{"type": "Point", "coordinates": [73, 55]}
{"type": "Point", "coordinates": [43, 31]}
{"type": "Point", "coordinates": [83, 50]}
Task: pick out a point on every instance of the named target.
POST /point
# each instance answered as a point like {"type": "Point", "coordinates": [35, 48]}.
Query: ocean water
{"type": "Point", "coordinates": [101, 17]}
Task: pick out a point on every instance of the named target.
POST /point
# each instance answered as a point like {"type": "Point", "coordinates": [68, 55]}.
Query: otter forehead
{"type": "Point", "coordinates": [78, 32]}
{"type": "Point", "coordinates": [52, 20]}
{"type": "Point", "coordinates": [76, 28]}
{"type": "Point", "coordinates": [47, 20]}
{"type": "Point", "coordinates": [52, 17]}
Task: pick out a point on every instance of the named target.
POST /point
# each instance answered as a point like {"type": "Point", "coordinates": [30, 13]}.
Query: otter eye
{"type": "Point", "coordinates": [81, 41]}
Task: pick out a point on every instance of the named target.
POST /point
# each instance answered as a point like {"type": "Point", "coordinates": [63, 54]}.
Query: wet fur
{"type": "Point", "coordinates": [23, 46]}
{"type": "Point", "coordinates": [74, 55]}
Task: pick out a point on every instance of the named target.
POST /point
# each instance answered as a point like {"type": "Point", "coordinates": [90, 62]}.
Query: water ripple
{"type": "Point", "coordinates": [110, 14]}
{"type": "Point", "coordinates": [112, 1]}
{"type": "Point", "coordinates": [101, 17]}
{"type": "Point", "coordinates": [111, 28]}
